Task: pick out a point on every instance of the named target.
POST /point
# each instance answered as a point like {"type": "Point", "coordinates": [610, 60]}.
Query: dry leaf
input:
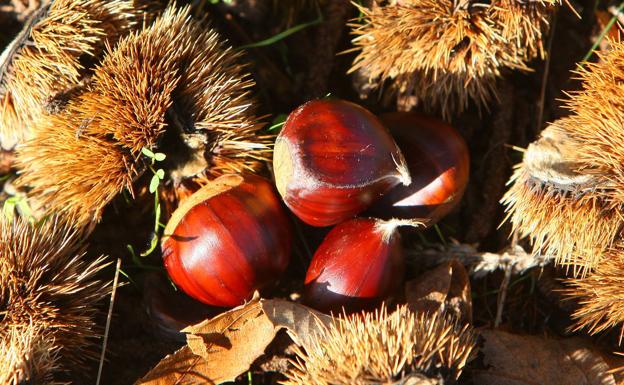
{"type": "Point", "coordinates": [222, 348]}
{"type": "Point", "coordinates": [301, 322]}
{"type": "Point", "coordinates": [529, 360]}
{"type": "Point", "coordinates": [181, 367]}
{"type": "Point", "coordinates": [444, 289]}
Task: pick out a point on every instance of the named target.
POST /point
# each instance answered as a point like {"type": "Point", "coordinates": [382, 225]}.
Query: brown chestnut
{"type": "Point", "coordinates": [438, 162]}
{"type": "Point", "coordinates": [227, 240]}
{"type": "Point", "coordinates": [333, 159]}
{"type": "Point", "coordinates": [358, 265]}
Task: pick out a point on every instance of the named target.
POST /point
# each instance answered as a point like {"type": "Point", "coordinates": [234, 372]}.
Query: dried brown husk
{"type": "Point", "coordinates": [565, 212]}
{"type": "Point", "coordinates": [47, 57]}
{"type": "Point", "coordinates": [600, 295]}
{"type": "Point", "coordinates": [174, 78]}
{"type": "Point", "coordinates": [385, 348]}
{"type": "Point", "coordinates": [581, 219]}
{"type": "Point", "coordinates": [443, 54]}
{"type": "Point", "coordinates": [48, 298]}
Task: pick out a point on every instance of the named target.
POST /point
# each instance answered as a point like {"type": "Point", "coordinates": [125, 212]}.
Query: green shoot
{"type": "Point", "coordinates": [284, 34]}
{"type": "Point", "coordinates": [278, 122]}
{"type": "Point", "coordinates": [440, 235]}
{"type": "Point", "coordinates": [19, 202]}
{"type": "Point", "coordinates": [604, 32]}
{"type": "Point", "coordinates": [157, 178]}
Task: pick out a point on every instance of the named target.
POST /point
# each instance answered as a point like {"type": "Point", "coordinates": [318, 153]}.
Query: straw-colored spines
{"type": "Point", "coordinates": [26, 357]}
{"type": "Point", "coordinates": [215, 100]}
{"type": "Point", "coordinates": [384, 348]}
{"type": "Point", "coordinates": [463, 45]}
{"type": "Point", "coordinates": [46, 57]}
{"type": "Point", "coordinates": [560, 208]}
{"type": "Point", "coordinates": [597, 121]}
{"type": "Point", "coordinates": [600, 295]}
{"type": "Point", "coordinates": [48, 297]}
{"type": "Point", "coordinates": [170, 83]}
{"type": "Point", "coordinates": [578, 216]}
{"type": "Point", "coordinates": [92, 148]}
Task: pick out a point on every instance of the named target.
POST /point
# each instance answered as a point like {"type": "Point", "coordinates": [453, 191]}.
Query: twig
{"type": "Point", "coordinates": [480, 264]}
{"type": "Point", "coordinates": [502, 295]}
{"type": "Point", "coordinates": [108, 320]}
{"type": "Point", "coordinates": [542, 99]}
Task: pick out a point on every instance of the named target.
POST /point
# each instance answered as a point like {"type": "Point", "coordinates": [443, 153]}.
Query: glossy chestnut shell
{"type": "Point", "coordinates": [357, 266]}
{"type": "Point", "coordinates": [439, 164]}
{"type": "Point", "coordinates": [227, 240]}
{"type": "Point", "coordinates": [333, 159]}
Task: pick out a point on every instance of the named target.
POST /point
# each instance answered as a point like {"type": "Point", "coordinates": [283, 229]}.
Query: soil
{"type": "Point", "coordinates": [305, 66]}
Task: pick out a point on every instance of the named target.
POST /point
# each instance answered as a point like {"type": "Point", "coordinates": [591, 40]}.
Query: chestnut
{"type": "Point", "coordinates": [359, 264]}
{"type": "Point", "coordinates": [438, 160]}
{"type": "Point", "coordinates": [333, 159]}
{"type": "Point", "coordinates": [227, 240]}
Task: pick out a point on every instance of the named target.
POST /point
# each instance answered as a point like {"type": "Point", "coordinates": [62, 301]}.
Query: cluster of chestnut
{"type": "Point", "coordinates": [332, 161]}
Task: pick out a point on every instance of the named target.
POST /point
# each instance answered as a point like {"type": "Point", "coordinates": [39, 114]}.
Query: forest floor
{"type": "Point", "coordinates": [303, 66]}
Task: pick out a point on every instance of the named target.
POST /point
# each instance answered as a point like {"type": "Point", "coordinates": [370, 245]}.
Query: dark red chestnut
{"type": "Point", "coordinates": [227, 240]}
{"type": "Point", "coordinates": [333, 159]}
{"type": "Point", "coordinates": [438, 162]}
{"type": "Point", "coordinates": [359, 264]}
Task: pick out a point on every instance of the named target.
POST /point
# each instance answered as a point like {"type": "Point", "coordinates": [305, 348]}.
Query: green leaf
{"type": "Point", "coordinates": [278, 122]}
{"type": "Point", "coordinates": [160, 173]}
{"type": "Point", "coordinates": [284, 34]}
{"type": "Point", "coordinates": [153, 245]}
{"type": "Point", "coordinates": [133, 254]}
{"type": "Point", "coordinates": [157, 217]}
{"type": "Point", "coordinates": [128, 277]}
{"type": "Point", "coordinates": [159, 156]}
{"type": "Point", "coordinates": [604, 33]}
{"type": "Point", "coordinates": [147, 152]}
{"type": "Point", "coordinates": [153, 186]}
{"type": "Point", "coordinates": [9, 208]}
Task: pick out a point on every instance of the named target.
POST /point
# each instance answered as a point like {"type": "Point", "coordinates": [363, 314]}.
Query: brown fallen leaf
{"type": "Point", "coordinates": [222, 348]}
{"type": "Point", "coordinates": [529, 360]}
{"type": "Point", "coordinates": [443, 289]}
{"type": "Point", "coordinates": [181, 367]}
{"type": "Point", "coordinates": [301, 322]}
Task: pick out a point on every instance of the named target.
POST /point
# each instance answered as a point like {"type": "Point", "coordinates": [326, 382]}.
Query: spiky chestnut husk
{"type": "Point", "coordinates": [19, 10]}
{"type": "Point", "coordinates": [48, 294]}
{"type": "Point", "coordinates": [600, 295]}
{"type": "Point", "coordinates": [597, 119]}
{"type": "Point", "coordinates": [558, 207]}
{"type": "Point", "coordinates": [174, 77]}
{"type": "Point", "coordinates": [27, 358]}
{"type": "Point", "coordinates": [47, 58]}
{"type": "Point", "coordinates": [442, 54]}
{"type": "Point", "coordinates": [581, 224]}
{"type": "Point", "coordinates": [382, 348]}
